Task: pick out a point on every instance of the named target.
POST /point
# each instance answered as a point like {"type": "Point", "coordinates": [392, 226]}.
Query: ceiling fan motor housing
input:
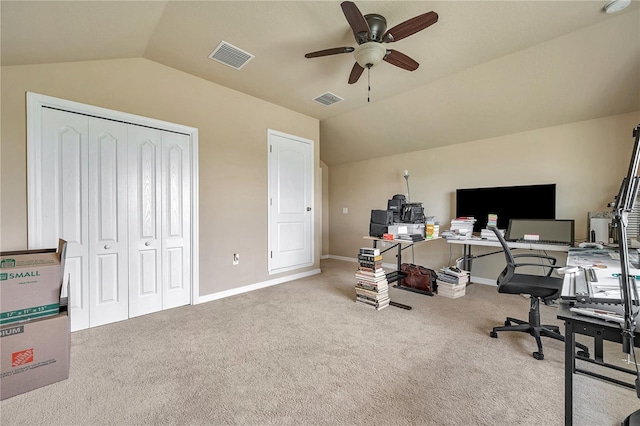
{"type": "Point", "coordinates": [377, 26]}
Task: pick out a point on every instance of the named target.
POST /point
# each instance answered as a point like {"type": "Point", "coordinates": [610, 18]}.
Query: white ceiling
{"type": "Point", "coordinates": [487, 68]}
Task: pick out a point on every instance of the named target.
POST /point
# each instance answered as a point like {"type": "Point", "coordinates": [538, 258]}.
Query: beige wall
{"type": "Point", "coordinates": [325, 209]}
{"type": "Point", "coordinates": [587, 160]}
{"type": "Point", "coordinates": [232, 153]}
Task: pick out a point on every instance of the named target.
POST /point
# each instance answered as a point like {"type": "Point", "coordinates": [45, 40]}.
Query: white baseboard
{"type": "Point", "coordinates": [346, 259]}
{"type": "Point", "coordinates": [324, 256]}
{"type": "Point", "coordinates": [256, 286]}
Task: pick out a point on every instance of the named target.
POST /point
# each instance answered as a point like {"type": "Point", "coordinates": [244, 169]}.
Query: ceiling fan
{"type": "Point", "coordinates": [370, 31]}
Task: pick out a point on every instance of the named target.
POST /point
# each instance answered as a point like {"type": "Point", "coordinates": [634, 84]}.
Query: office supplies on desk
{"type": "Point", "coordinates": [599, 313]}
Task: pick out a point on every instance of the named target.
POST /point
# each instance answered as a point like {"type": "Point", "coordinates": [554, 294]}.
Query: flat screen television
{"type": "Point", "coordinates": [508, 202]}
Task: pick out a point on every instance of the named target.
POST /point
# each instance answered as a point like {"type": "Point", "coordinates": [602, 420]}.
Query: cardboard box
{"type": "Point", "coordinates": [35, 353]}
{"type": "Point", "coordinates": [30, 283]}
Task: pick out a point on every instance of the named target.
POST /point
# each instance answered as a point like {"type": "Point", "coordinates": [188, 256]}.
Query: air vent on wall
{"type": "Point", "coordinates": [230, 55]}
{"type": "Point", "coordinates": [327, 99]}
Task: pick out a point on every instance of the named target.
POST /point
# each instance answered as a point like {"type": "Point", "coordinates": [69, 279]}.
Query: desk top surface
{"type": "Point", "coordinates": [565, 314]}
{"type": "Point", "coordinates": [476, 241]}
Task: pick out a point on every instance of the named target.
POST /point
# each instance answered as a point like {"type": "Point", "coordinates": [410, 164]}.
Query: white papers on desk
{"type": "Point", "coordinates": [606, 265]}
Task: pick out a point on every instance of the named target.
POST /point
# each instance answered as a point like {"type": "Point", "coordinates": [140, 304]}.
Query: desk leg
{"type": "Point", "coordinates": [569, 368]}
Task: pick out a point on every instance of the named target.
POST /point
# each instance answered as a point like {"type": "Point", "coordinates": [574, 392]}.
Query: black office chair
{"type": "Point", "coordinates": [539, 287]}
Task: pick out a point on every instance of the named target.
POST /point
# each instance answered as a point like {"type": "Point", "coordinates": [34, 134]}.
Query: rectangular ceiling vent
{"type": "Point", "coordinates": [327, 99]}
{"type": "Point", "coordinates": [230, 55]}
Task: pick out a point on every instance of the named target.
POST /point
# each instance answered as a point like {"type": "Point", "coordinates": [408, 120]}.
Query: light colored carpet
{"type": "Point", "coordinates": [304, 352]}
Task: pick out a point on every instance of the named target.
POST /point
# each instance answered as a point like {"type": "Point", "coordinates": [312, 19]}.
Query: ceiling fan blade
{"type": "Point", "coordinates": [356, 21]}
{"type": "Point", "coordinates": [411, 26]}
{"type": "Point", "coordinates": [401, 60]}
{"type": "Point", "coordinates": [356, 72]}
{"type": "Point", "coordinates": [327, 52]}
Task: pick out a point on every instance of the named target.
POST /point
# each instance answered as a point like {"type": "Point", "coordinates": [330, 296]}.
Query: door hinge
{"type": "Point", "coordinates": [271, 254]}
{"type": "Point", "coordinates": [270, 148]}
{"type": "Point", "coordinates": [270, 201]}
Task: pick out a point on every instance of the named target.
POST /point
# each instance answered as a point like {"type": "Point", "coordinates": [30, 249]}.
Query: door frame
{"type": "Point", "coordinates": [270, 218]}
{"type": "Point", "coordinates": [35, 103]}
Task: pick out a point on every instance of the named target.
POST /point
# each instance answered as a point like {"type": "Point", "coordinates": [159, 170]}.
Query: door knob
{"type": "Point", "coordinates": [147, 243]}
{"type": "Point", "coordinates": [107, 247]}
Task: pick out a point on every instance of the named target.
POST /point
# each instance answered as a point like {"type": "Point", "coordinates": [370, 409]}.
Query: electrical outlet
{"type": "Point", "coordinates": [345, 210]}
{"type": "Point", "coordinates": [236, 258]}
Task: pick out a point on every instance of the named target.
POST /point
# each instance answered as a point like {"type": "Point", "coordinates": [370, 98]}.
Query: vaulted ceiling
{"type": "Point", "coordinates": [487, 68]}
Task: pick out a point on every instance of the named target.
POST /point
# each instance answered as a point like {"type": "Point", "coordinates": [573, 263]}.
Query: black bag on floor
{"type": "Point", "coordinates": [418, 277]}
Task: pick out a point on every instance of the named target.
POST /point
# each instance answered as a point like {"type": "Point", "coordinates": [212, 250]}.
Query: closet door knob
{"type": "Point", "coordinates": [147, 243]}
{"type": "Point", "coordinates": [107, 247]}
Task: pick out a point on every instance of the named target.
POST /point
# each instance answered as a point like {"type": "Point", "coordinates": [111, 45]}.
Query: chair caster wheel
{"type": "Point", "coordinates": [538, 356]}
{"type": "Point", "coordinates": [583, 354]}
{"type": "Point", "coordinates": [493, 334]}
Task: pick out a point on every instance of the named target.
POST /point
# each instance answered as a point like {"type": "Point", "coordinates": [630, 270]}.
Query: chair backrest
{"type": "Point", "coordinates": [509, 270]}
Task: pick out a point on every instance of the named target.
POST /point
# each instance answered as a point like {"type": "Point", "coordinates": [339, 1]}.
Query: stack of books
{"type": "Point", "coordinates": [462, 226]}
{"type": "Point", "coordinates": [372, 288]}
{"type": "Point", "coordinates": [452, 282]}
{"type": "Point", "coordinates": [487, 234]}
{"type": "Point", "coordinates": [432, 228]}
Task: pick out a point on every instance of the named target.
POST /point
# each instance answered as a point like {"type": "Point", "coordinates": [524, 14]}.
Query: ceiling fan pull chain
{"type": "Point", "coordinates": [368, 84]}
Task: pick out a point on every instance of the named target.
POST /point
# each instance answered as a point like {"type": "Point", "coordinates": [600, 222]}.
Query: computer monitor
{"type": "Point", "coordinates": [556, 230]}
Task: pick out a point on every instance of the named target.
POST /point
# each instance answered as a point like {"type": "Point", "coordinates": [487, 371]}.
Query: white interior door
{"type": "Point", "coordinates": [176, 220]}
{"type": "Point", "coordinates": [108, 248]}
{"type": "Point", "coordinates": [145, 220]}
{"type": "Point", "coordinates": [58, 186]}
{"type": "Point", "coordinates": [290, 202]}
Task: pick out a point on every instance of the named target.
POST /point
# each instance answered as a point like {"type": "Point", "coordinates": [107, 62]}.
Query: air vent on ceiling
{"type": "Point", "coordinates": [327, 99]}
{"type": "Point", "coordinates": [230, 55]}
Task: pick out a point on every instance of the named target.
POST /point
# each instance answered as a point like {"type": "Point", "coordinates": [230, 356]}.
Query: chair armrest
{"type": "Point", "coordinates": [550, 270]}
{"type": "Point", "coordinates": [552, 259]}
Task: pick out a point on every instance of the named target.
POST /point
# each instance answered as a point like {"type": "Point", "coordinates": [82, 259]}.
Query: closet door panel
{"type": "Point", "coordinates": [176, 188]}
{"type": "Point", "coordinates": [145, 151]}
{"type": "Point", "coordinates": [61, 187]}
{"type": "Point", "coordinates": [108, 259]}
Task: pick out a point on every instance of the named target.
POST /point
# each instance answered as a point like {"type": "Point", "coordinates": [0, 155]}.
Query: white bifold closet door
{"type": "Point", "coordinates": [120, 195]}
{"type": "Point", "coordinates": [159, 223]}
{"type": "Point", "coordinates": [107, 220]}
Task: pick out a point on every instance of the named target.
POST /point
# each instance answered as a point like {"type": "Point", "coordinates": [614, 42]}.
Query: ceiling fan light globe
{"type": "Point", "coordinates": [369, 54]}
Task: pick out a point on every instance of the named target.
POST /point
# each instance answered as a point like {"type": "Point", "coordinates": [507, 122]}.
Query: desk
{"type": "Point", "coordinates": [606, 264]}
{"type": "Point", "coordinates": [600, 331]}
{"type": "Point", "coordinates": [396, 276]}
{"type": "Point", "coordinates": [475, 241]}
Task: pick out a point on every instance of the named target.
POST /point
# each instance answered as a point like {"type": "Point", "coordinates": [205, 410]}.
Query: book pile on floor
{"type": "Point", "coordinates": [452, 282]}
{"type": "Point", "coordinates": [372, 288]}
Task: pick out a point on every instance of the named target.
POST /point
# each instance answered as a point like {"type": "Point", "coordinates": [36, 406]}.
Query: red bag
{"type": "Point", "coordinates": [418, 277]}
